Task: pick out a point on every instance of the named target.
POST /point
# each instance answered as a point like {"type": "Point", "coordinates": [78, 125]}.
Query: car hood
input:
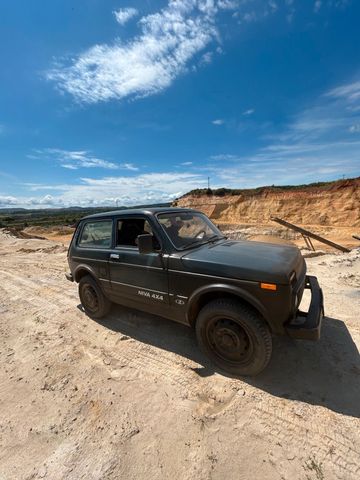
{"type": "Point", "coordinates": [246, 260]}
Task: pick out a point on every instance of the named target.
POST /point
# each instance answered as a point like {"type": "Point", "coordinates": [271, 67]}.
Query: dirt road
{"type": "Point", "coordinates": [132, 398]}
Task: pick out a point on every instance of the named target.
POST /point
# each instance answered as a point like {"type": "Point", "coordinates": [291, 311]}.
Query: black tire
{"type": "Point", "coordinates": [234, 337]}
{"type": "Point", "coordinates": [94, 302]}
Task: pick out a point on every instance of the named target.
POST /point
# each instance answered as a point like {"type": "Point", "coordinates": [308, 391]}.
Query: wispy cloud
{"type": "Point", "coordinates": [273, 5]}
{"type": "Point", "coordinates": [148, 63]}
{"type": "Point", "coordinates": [319, 143]}
{"type": "Point", "coordinates": [218, 121]}
{"type": "Point", "coordinates": [138, 189]}
{"type": "Point", "coordinates": [355, 128]}
{"type": "Point", "coordinates": [206, 58]}
{"type": "Point", "coordinates": [317, 5]}
{"type": "Point", "coordinates": [350, 92]}
{"type": "Point", "coordinates": [168, 44]}
{"type": "Point", "coordinates": [75, 159]}
{"type": "Point", "coordinates": [123, 15]}
{"type": "Point", "coordinates": [128, 166]}
{"type": "Point", "coordinates": [250, 111]}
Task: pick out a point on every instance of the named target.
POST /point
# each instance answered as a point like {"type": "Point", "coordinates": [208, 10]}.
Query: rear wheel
{"type": "Point", "coordinates": [94, 302]}
{"type": "Point", "coordinates": [234, 337]}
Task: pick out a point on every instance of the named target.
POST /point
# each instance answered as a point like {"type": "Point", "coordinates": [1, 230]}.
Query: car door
{"type": "Point", "coordinates": [137, 280]}
{"type": "Point", "coordinates": [91, 249]}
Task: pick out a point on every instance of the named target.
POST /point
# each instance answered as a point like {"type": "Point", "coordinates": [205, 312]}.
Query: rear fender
{"type": "Point", "coordinates": [82, 270]}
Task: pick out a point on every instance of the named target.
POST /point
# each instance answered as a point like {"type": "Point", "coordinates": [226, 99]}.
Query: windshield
{"type": "Point", "coordinates": [188, 229]}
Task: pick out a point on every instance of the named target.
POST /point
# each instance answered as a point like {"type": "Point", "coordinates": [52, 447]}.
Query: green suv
{"type": "Point", "coordinates": [176, 263]}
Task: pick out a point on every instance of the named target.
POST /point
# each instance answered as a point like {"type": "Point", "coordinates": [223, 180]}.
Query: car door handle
{"type": "Point", "coordinates": [114, 256]}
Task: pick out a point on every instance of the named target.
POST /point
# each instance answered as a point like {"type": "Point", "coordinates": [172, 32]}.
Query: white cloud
{"type": "Point", "coordinates": [250, 17]}
{"type": "Point", "coordinates": [129, 166]}
{"type": "Point", "coordinates": [355, 128]}
{"type": "Point", "coordinates": [135, 190]}
{"type": "Point", "coordinates": [223, 156]}
{"type": "Point", "coordinates": [249, 112]}
{"type": "Point", "coordinates": [218, 121]}
{"type": "Point", "coordinates": [273, 5]}
{"type": "Point", "coordinates": [8, 201]}
{"type": "Point", "coordinates": [123, 15]}
{"type": "Point", "coordinates": [350, 92]}
{"type": "Point", "coordinates": [149, 62]}
{"type": "Point", "coordinates": [228, 4]}
{"type": "Point", "coordinates": [206, 58]}
{"type": "Point", "coordinates": [317, 5]}
{"type": "Point", "coordinates": [168, 44]}
{"type": "Point", "coordinates": [75, 159]}
{"type": "Point", "coordinates": [186, 163]}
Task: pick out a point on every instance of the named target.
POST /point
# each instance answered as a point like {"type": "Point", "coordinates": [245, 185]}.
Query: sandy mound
{"type": "Point", "coordinates": [53, 230]}
{"type": "Point", "coordinates": [14, 233]}
{"type": "Point", "coordinates": [12, 241]}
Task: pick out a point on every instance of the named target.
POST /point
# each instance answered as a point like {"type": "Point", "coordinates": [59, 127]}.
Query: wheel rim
{"type": "Point", "coordinates": [229, 341]}
{"type": "Point", "coordinates": [90, 298]}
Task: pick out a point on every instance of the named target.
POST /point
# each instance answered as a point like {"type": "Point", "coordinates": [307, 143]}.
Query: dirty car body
{"type": "Point", "coordinates": [175, 262]}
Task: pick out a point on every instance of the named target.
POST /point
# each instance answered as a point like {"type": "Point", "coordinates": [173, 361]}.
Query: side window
{"type": "Point", "coordinates": [96, 234]}
{"type": "Point", "coordinates": [129, 229]}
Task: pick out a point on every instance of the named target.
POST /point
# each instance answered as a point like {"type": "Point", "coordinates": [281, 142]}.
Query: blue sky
{"type": "Point", "coordinates": [128, 102]}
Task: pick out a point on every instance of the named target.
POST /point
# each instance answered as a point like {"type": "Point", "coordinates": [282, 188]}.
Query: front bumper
{"type": "Point", "coordinates": [307, 326]}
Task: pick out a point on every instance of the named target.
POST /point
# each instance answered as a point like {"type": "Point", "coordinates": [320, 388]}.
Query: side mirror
{"type": "Point", "coordinates": [145, 243]}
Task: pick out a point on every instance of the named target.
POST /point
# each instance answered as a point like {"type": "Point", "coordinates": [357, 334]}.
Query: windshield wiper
{"type": "Point", "coordinates": [201, 242]}
{"type": "Point", "coordinates": [193, 243]}
{"type": "Point", "coordinates": [214, 238]}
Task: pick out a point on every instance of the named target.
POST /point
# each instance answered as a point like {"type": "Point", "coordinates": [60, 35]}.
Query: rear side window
{"type": "Point", "coordinates": [96, 234]}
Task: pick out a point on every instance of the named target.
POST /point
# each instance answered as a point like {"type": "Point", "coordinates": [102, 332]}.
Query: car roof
{"type": "Point", "coordinates": [139, 211]}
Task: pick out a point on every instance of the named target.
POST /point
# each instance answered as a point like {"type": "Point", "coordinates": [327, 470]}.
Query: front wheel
{"type": "Point", "coordinates": [94, 302]}
{"type": "Point", "coordinates": [234, 337]}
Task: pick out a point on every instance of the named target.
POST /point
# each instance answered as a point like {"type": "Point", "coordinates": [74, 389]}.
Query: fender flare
{"type": "Point", "coordinates": [221, 287]}
{"type": "Point", "coordinates": [85, 267]}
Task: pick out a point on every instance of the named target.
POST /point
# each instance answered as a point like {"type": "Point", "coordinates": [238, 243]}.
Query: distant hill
{"type": "Point", "coordinates": [22, 217]}
{"type": "Point", "coordinates": [12, 210]}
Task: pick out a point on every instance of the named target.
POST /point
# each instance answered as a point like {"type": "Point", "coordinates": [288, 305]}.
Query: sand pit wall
{"type": "Point", "coordinates": [338, 205]}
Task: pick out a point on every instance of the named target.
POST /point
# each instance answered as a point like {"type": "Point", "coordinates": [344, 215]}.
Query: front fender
{"type": "Point", "coordinates": [239, 292]}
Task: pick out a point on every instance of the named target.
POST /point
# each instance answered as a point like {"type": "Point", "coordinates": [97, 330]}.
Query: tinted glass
{"type": "Point", "coordinates": [96, 234]}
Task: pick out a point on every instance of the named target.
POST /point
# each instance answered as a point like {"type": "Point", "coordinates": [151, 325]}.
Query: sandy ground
{"type": "Point", "coordinates": [131, 397]}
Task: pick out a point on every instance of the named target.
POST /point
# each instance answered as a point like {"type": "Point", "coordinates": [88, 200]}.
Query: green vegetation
{"type": "Point", "coordinates": [20, 218]}
{"type": "Point", "coordinates": [221, 192]}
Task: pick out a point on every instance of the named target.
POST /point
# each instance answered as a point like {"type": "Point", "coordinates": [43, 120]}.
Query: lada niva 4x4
{"type": "Point", "coordinates": [177, 264]}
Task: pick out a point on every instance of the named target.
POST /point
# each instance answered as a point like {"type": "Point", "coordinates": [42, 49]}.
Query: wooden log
{"type": "Point", "coordinates": [309, 234]}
